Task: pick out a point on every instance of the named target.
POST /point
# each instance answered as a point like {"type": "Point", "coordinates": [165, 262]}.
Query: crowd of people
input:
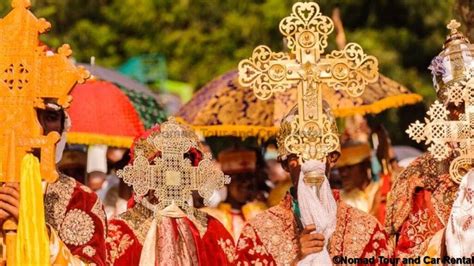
{"type": "Point", "coordinates": [168, 201]}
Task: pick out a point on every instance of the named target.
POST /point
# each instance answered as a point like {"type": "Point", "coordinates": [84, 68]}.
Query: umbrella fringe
{"type": "Point", "coordinates": [379, 106]}
{"type": "Point", "coordinates": [263, 133]}
{"type": "Point", "coordinates": [91, 139]}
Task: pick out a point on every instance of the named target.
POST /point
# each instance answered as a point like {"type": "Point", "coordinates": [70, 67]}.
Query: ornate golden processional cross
{"type": "Point", "coordinates": [448, 136]}
{"type": "Point", "coordinates": [171, 176]}
{"type": "Point", "coordinates": [306, 31]}
{"type": "Point", "coordinates": [29, 75]}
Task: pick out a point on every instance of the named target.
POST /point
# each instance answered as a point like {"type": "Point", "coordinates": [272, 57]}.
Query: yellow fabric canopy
{"type": "Point", "coordinates": [224, 108]}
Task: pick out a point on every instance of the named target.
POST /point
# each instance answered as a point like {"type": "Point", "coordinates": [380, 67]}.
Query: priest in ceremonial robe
{"type": "Point", "coordinates": [163, 227]}
{"type": "Point", "coordinates": [244, 191]}
{"type": "Point", "coordinates": [359, 190]}
{"type": "Point", "coordinates": [34, 94]}
{"type": "Point", "coordinates": [422, 196]}
{"type": "Point", "coordinates": [311, 226]}
{"type": "Point", "coordinates": [277, 236]}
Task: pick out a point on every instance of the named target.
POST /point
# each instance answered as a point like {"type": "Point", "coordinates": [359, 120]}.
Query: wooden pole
{"type": "Point", "coordinates": [9, 228]}
{"type": "Point", "coordinates": [10, 225]}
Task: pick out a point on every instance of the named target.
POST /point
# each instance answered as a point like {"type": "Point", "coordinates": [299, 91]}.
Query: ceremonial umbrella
{"type": "Point", "coordinates": [144, 100]}
{"type": "Point", "coordinates": [224, 108]}
{"type": "Point", "coordinates": [117, 78]}
{"type": "Point", "coordinates": [101, 113]}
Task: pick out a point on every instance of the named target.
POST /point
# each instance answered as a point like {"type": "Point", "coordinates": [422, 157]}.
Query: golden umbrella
{"type": "Point", "coordinates": [224, 108]}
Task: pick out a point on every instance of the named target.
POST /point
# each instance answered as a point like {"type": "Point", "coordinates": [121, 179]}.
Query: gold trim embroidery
{"type": "Point", "coordinates": [282, 244]}
{"type": "Point", "coordinates": [56, 200]}
{"type": "Point", "coordinates": [77, 228]}
{"type": "Point", "coordinates": [353, 232]}
{"type": "Point", "coordinates": [85, 188]}
{"type": "Point", "coordinates": [425, 172]}
{"type": "Point", "coordinates": [99, 211]}
{"type": "Point", "coordinates": [248, 234]}
{"type": "Point", "coordinates": [139, 220]}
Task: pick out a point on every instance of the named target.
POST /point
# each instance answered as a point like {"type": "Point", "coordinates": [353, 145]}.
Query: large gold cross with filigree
{"type": "Point", "coordinates": [306, 31]}
{"type": "Point", "coordinates": [448, 136]}
{"type": "Point", "coordinates": [29, 75]}
{"type": "Point", "coordinates": [171, 176]}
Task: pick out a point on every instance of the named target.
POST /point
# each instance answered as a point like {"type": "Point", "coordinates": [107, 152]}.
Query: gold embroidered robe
{"type": "Point", "coordinates": [127, 234]}
{"type": "Point", "coordinates": [271, 238]}
{"type": "Point", "coordinates": [419, 205]}
{"type": "Point", "coordinates": [76, 218]}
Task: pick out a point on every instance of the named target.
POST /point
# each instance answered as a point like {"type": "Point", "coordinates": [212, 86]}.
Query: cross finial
{"type": "Point", "coordinates": [453, 26]}
{"type": "Point", "coordinates": [26, 83]}
{"type": "Point", "coordinates": [440, 132]}
{"type": "Point", "coordinates": [309, 69]}
{"type": "Point", "coordinates": [171, 175]}
{"type": "Point", "coordinates": [21, 3]}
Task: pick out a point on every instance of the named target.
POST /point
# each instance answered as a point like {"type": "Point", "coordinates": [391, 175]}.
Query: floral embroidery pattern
{"type": "Point", "coordinates": [281, 244]}
{"type": "Point", "coordinates": [357, 235]}
{"type": "Point", "coordinates": [77, 228]}
{"type": "Point", "coordinates": [248, 239]}
{"type": "Point", "coordinates": [425, 172]}
{"type": "Point", "coordinates": [56, 199]}
{"type": "Point", "coordinates": [228, 248]}
{"type": "Point", "coordinates": [420, 227]}
{"type": "Point", "coordinates": [118, 242]}
{"type": "Point", "coordinates": [354, 231]}
{"type": "Point", "coordinates": [89, 251]}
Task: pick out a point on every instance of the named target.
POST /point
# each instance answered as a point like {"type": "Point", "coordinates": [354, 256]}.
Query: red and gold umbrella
{"type": "Point", "coordinates": [224, 108]}
{"type": "Point", "coordinates": [101, 113]}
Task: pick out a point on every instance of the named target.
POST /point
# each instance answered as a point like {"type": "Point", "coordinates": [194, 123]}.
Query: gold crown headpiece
{"type": "Point", "coordinates": [171, 175]}
{"type": "Point", "coordinates": [29, 76]}
{"type": "Point", "coordinates": [309, 138]}
{"type": "Point", "coordinates": [453, 62]}
{"type": "Point", "coordinates": [306, 31]}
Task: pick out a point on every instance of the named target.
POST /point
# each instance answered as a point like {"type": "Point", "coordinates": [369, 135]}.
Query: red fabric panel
{"type": "Point", "coordinates": [100, 107]}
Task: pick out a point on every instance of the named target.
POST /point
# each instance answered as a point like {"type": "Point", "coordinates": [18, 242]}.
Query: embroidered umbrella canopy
{"type": "Point", "coordinates": [150, 111]}
{"type": "Point", "coordinates": [101, 113]}
{"type": "Point", "coordinates": [224, 108]}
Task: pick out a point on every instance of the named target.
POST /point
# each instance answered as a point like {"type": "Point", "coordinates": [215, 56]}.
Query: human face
{"type": "Point", "coordinates": [241, 188]}
{"type": "Point", "coordinates": [51, 120]}
{"type": "Point", "coordinates": [95, 180]}
{"type": "Point", "coordinates": [275, 172]}
{"type": "Point", "coordinates": [293, 167]}
{"type": "Point", "coordinates": [355, 176]}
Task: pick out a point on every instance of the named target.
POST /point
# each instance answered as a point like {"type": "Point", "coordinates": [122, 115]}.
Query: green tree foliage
{"type": "Point", "coordinates": [202, 39]}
